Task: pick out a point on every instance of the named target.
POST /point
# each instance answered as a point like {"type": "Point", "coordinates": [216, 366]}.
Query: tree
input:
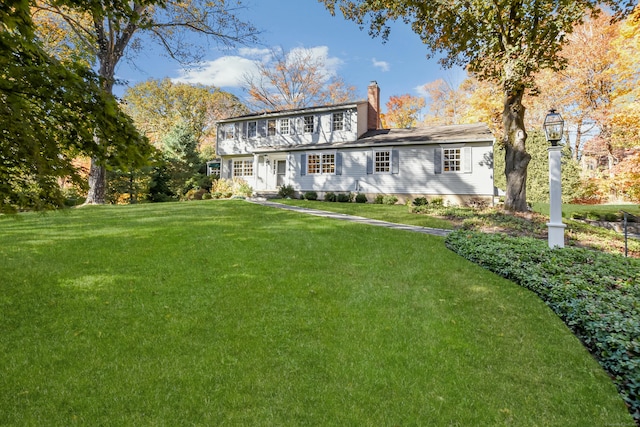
{"type": "Point", "coordinates": [403, 110]}
{"type": "Point", "coordinates": [446, 103]}
{"type": "Point", "coordinates": [506, 41]}
{"type": "Point", "coordinates": [295, 79]}
{"type": "Point", "coordinates": [157, 105]}
{"type": "Point", "coordinates": [107, 30]}
{"type": "Point", "coordinates": [49, 114]}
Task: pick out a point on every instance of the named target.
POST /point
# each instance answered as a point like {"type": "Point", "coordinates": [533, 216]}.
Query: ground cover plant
{"type": "Point", "coordinates": [595, 293]}
{"type": "Point", "coordinates": [228, 313]}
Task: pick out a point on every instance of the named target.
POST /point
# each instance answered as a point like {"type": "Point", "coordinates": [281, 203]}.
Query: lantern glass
{"type": "Point", "coordinates": [553, 127]}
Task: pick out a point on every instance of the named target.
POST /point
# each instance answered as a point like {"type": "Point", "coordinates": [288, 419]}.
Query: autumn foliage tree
{"type": "Point", "coordinates": [403, 111]}
{"type": "Point", "coordinates": [295, 79]}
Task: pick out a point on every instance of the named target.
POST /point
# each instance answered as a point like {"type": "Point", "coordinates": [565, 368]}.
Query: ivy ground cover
{"type": "Point", "coordinates": [228, 313]}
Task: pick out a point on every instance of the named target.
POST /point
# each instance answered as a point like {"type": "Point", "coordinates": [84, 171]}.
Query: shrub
{"type": "Point", "coordinates": [595, 293]}
{"type": "Point", "coordinates": [611, 217]}
{"type": "Point", "coordinates": [361, 198]}
{"type": "Point", "coordinates": [286, 191]}
{"type": "Point", "coordinates": [241, 188]}
{"type": "Point", "coordinates": [389, 200]}
{"type": "Point", "coordinates": [438, 201]}
{"type": "Point", "coordinates": [420, 201]}
{"type": "Point", "coordinates": [593, 216]}
{"type": "Point", "coordinates": [221, 188]}
{"type": "Point", "coordinates": [343, 198]}
{"type": "Point", "coordinates": [311, 195]}
{"type": "Point", "coordinates": [206, 196]}
{"type": "Point", "coordinates": [578, 215]}
{"type": "Point", "coordinates": [379, 199]}
{"type": "Point", "coordinates": [330, 197]}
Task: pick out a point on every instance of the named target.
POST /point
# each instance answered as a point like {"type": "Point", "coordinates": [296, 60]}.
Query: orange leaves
{"type": "Point", "coordinates": [403, 110]}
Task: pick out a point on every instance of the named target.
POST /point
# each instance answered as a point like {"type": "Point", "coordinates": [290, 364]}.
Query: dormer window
{"type": "Point", "coordinates": [337, 121]}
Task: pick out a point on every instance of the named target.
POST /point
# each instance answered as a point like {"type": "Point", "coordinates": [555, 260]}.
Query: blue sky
{"type": "Point", "coordinates": [399, 66]}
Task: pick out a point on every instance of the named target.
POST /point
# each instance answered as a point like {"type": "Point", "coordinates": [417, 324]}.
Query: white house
{"type": "Point", "coordinates": [341, 148]}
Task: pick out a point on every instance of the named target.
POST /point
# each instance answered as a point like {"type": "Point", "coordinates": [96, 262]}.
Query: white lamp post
{"type": "Point", "coordinates": [553, 127]}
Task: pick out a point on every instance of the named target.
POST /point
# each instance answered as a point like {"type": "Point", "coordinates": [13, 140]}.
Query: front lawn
{"type": "Point", "coordinates": [229, 313]}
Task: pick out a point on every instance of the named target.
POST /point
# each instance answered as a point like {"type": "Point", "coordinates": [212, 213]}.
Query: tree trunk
{"type": "Point", "coordinates": [97, 184]}
{"type": "Point", "coordinates": [516, 157]}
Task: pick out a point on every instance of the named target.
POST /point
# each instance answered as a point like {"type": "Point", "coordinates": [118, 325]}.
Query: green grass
{"type": "Point", "coordinates": [228, 313]}
{"type": "Point", "coordinates": [398, 214]}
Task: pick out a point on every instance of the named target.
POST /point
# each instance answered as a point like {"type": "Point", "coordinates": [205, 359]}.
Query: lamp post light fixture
{"type": "Point", "coordinates": [553, 129]}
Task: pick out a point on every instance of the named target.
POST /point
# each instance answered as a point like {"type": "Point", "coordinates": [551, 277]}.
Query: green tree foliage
{"type": "Point", "coordinates": [157, 105]}
{"type": "Point", "coordinates": [108, 29]}
{"type": "Point", "coordinates": [51, 113]}
{"type": "Point", "coordinates": [538, 171]}
{"type": "Point", "coordinates": [506, 41]}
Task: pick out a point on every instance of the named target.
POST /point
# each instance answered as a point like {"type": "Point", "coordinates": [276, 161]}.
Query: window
{"type": "Point", "coordinates": [284, 127]}
{"type": "Point", "coordinates": [451, 160]}
{"type": "Point", "coordinates": [382, 161]}
{"type": "Point", "coordinates": [324, 163]}
{"type": "Point", "coordinates": [313, 164]}
{"type": "Point", "coordinates": [328, 163]}
{"type": "Point", "coordinates": [271, 127]}
{"type": "Point", "coordinates": [308, 124]}
{"type": "Point", "coordinates": [337, 121]}
{"type": "Point", "coordinates": [243, 168]}
{"type": "Point", "coordinates": [252, 129]}
{"type": "Point", "coordinates": [228, 131]}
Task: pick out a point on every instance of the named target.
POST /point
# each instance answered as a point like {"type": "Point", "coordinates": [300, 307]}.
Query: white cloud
{"type": "Point", "coordinates": [226, 71]}
{"type": "Point", "coordinates": [383, 65]}
{"type": "Point", "coordinates": [421, 91]}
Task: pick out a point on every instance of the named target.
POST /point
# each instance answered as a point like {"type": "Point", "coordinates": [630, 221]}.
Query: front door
{"type": "Point", "coordinates": [281, 172]}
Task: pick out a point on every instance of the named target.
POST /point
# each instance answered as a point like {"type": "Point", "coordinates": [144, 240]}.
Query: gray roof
{"type": "Point", "coordinates": [291, 112]}
{"type": "Point", "coordinates": [449, 134]}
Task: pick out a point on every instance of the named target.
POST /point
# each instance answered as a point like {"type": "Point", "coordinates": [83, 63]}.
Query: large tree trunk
{"type": "Point", "coordinates": [516, 157]}
{"type": "Point", "coordinates": [97, 184]}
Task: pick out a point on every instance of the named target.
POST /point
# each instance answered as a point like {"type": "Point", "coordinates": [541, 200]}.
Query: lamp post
{"type": "Point", "coordinates": [553, 127]}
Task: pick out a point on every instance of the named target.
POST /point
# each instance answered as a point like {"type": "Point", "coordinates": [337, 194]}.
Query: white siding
{"type": "Point", "coordinates": [416, 174]}
{"type": "Point", "coordinates": [241, 144]}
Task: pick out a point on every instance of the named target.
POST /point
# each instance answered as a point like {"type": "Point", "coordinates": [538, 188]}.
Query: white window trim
{"type": "Point", "coordinates": [320, 162]}
{"type": "Point", "coordinates": [465, 150]}
{"type": "Point", "coordinates": [244, 168]}
{"type": "Point", "coordinates": [344, 121]}
{"type": "Point", "coordinates": [389, 172]}
{"type": "Point", "coordinates": [256, 129]}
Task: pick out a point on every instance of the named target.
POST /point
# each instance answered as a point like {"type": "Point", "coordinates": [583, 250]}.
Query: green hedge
{"type": "Point", "coordinates": [596, 294]}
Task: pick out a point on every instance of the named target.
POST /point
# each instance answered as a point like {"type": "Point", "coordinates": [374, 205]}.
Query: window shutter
{"type": "Point", "coordinates": [395, 161]}
{"type": "Point", "coordinates": [230, 169]}
{"type": "Point", "coordinates": [437, 160]}
{"type": "Point", "coordinates": [466, 160]}
{"type": "Point", "coordinates": [303, 164]}
{"type": "Point", "coordinates": [262, 128]}
{"type": "Point", "coordinates": [338, 163]}
{"type": "Point", "coordinates": [369, 162]}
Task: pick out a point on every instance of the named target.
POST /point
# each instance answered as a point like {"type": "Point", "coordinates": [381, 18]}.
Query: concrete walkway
{"type": "Point", "coordinates": [352, 218]}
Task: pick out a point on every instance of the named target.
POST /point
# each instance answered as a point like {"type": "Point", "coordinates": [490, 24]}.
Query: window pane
{"type": "Point", "coordinates": [252, 129]}
{"type": "Point", "coordinates": [248, 168]}
{"type": "Point", "coordinates": [338, 121]}
{"type": "Point", "coordinates": [271, 127]}
{"type": "Point", "coordinates": [313, 164]}
{"type": "Point", "coordinates": [328, 163]}
{"type": "Point", "coordinates": [382, 161]}
{"type": "Point", "coordinates": [284, 126]}
{"type": "Point", "coordinates": [308, 124]}
{"type": "Point", "coordinates": [451, 161]}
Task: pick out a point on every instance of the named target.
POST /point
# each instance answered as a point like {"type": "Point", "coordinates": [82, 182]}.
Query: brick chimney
{"type": "Point", "coordinates": [373, 112]}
